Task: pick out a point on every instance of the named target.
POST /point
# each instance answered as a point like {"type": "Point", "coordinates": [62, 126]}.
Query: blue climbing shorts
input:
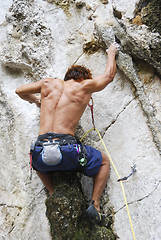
{"type": "Point", "coordinates": [67, 161]}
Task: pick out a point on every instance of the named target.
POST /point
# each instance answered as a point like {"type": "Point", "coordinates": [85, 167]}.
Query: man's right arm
{"type": "Point", "coordinates": [100, 82]}
{"type": "Point", "coordinates": [27, 92]}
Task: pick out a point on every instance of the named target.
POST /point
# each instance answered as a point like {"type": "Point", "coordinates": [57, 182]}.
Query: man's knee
{"type": "Point", "coordinates": [105, 160]}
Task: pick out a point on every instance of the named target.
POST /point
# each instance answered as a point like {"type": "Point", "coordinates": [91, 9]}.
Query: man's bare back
{"type": "Point", "coordinates": [62, 105]}
{"type": "Point", "coordinates": [63, 102]}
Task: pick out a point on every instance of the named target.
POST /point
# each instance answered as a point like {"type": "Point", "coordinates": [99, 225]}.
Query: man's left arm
{"type": "Point", "coordinates": [27, 92]}
{"type": "Point", "coordinates": [100, 82]}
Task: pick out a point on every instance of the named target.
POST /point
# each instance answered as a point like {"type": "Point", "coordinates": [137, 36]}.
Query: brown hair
{"type": "Point", "coordinates": [77, 72]}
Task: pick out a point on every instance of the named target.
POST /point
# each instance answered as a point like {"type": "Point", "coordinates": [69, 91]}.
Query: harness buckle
{"type": "Point", "coordinates": [50, 139]}
{"type": "Point", "coordinates": [32, 147]}
{"type": "Point", "coordinates": [82, 155]}
{"type": "Point", "coordinates": [83, 161]}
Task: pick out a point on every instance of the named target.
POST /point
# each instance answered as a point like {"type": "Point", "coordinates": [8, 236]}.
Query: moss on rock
{"type": "Point", "coordinates": [66, 211]}
{"type": "Point", "coordinates": [149, 12]}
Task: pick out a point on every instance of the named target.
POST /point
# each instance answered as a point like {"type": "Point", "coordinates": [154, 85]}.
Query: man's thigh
{"type": "Point", "coordinates": [94, 161]}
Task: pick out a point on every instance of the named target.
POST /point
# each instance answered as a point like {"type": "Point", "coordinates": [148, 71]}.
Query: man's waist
{"type": "Point", "coordinates": [50, 138]}
{"type": "Point", "coordinates": [60, 138]}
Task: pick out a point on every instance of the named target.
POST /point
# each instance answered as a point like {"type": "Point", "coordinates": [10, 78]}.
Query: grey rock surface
{"type": "Point", "coordinates": [41, 38]}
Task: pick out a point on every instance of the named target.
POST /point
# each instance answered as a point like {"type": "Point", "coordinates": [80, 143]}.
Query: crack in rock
{"type": "Point", "coordinates": [12, 228]}
{"type": "Point", "coordinates": [140, 199]}
{"type": "Point", "coordinates": [77, 59]}
{"type": "Point", "coordinates": [103, 131]}
{"type": "Point", "coordinates": [10, 206]}
{"type": "Point", "coordinates": [78, 28]}
{"type": "Point", "coordinates": [125, 64]}
{"type": "Point", "coordinates": [33, 201]}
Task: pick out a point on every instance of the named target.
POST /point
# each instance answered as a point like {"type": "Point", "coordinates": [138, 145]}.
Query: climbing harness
{"type": "Point", "coordinates": [50, 148]}
{"type": "Point", "coordinates": [133, 171]}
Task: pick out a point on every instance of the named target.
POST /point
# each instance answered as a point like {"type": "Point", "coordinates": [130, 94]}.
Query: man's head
{"type": "Point", "coordinates": [77, 72]}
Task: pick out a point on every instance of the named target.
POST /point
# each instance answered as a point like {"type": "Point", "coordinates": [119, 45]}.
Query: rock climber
{"type": "Point", "coordinates": [62, 103]}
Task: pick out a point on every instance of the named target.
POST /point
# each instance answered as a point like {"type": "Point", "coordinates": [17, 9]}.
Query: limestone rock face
{"type": "Point", "coordinates": [27, 36]}
{"type": "Point", "coordinates": [42, 38]}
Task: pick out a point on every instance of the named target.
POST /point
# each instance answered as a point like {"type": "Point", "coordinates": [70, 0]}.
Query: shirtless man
{"type": "Point", "coordinates": [62, 105]}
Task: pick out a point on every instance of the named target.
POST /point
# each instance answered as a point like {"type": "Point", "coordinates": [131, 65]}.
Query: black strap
{"type": "Point", "coordinates": [82, 156]}
{"type": "Point", "coordinates": [62, 139]}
